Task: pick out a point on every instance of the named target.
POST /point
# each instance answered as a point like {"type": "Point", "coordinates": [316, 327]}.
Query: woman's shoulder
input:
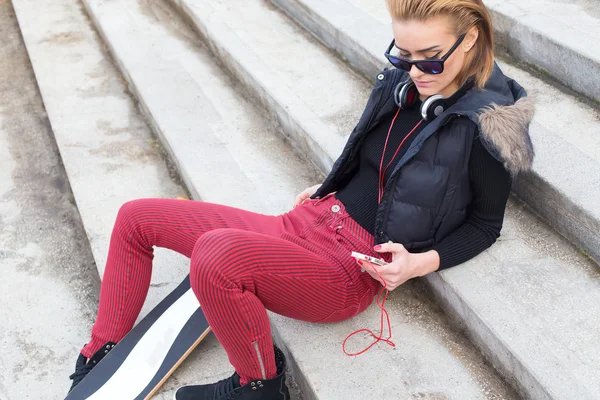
{"type": "Point", "coordinates": [502, 112]}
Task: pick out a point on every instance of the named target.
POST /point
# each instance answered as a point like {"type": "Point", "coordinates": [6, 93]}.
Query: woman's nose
{"type": "Point", "coordinates": [415, 73]}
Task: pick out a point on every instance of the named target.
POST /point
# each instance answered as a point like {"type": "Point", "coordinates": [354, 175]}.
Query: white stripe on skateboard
{"type": "Point", "coordinates": [144, 360]}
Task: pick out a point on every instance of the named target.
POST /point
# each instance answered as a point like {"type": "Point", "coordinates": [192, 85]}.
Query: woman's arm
{"type": "Point", "coordinates": [490, 187]}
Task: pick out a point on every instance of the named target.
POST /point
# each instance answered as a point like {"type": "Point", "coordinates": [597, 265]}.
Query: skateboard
{"type": "Point", "coordinates": [143, 360]}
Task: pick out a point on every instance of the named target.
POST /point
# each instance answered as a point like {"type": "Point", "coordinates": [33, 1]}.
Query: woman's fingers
{"type": "Point", "coordinates": [370, 269]}
{"type": "Point", "coordinates": [388, 275]}
{"type": "Point", "coordinates": [300, 199]}
{"type": "Point", "coordinates": [305, 194]}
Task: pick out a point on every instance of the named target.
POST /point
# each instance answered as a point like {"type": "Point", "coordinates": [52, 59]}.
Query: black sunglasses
{"type": "Point", "coordinates": [433, 67]}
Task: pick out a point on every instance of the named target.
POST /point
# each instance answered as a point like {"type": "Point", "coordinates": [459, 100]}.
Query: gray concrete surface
{"type": "Point", "coordinates": [198, 131]}
{"type": "Point", "coordinates": [564, 193]}
{"type": "Point", "coordinates": [104, 143]}
{"type": "Point", "coordinates": [283, 64]}
{"type": "Point", "coordinates": [49, 284]}
{"type": "Point", "coordinates": [341, 25]}
{"type": "Point", "coordinates": [561, 37]}
{"type": "Point", "coordinates": [162, 42]}
{"type": "Point", "coordinates": [537, 357]}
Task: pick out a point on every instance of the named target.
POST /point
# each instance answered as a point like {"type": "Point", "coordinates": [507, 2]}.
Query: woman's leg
{"type": "Point", "coordinates": [237, 275]}
{"type": "Point", "coordinates": [140, 225]}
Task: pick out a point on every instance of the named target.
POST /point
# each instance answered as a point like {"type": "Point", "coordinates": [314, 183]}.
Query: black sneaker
{"type": "Point", "coordinates": [83, 366]}
{"type": "Point", "coordinates": [230, 389]}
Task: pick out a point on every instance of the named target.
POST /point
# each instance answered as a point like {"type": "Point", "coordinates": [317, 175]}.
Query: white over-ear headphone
{"type": "Point", "coordinates": [406, 96]}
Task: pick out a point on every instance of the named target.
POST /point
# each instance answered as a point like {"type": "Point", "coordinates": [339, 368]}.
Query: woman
{"type": "Point", "coordinates": [421, 187]}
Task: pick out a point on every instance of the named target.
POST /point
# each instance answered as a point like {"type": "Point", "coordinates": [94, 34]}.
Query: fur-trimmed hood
{"type": "Point", "coordinates": [506, 129]}
{"type": "Point", "coordinates": [503, 113]}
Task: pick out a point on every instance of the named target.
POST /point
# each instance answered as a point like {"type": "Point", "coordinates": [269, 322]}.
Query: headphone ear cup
{"type": "Point", "coordinates": [406, 94]}
{"type": "Point", "coordinates": [409, 95]}
{"type": "Point", "coordinates": [397, 94]}
{"type": "Point", "coordinates": [433, 107]}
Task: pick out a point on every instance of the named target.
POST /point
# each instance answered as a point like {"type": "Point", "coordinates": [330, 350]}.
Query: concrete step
{"type": "Point", "coordinates": [564, 193]}
{"type": "Point", "coordinates": [110, 157]}
{"type": "Point", "coordinates": [560, 37]}
{"type": "Point", "coordinates": [295, 100]}
{"type": "Point", "coordinates": [47, 268]}
{"type": "Point", "coordinates": [517, 300]}
{"type": "Point", "coordinates": [147, 40]}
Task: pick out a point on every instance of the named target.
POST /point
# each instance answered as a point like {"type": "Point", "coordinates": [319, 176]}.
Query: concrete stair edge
{"type": "Point", "coordinates": [510, 365]}
{"type": "Point", "coordinates": [318, 147]}
{"type": "Point", "coordinates": [68, 132]}
{"type": "Point", "coordinates": [185, 176]}
{"type": "Point", "coordinates": [537, 188]}
{"type": "Point", "coordinates": [544, 50]}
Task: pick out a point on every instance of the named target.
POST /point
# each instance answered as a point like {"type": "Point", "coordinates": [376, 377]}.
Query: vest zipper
{"type": "Point", "coordinates": [388, 204]}
{"type": "Point", "coordinates": [263, 371]}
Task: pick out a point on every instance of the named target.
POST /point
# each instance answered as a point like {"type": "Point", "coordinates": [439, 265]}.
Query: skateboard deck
{"type": "Point", "coordinates": [143, 360]}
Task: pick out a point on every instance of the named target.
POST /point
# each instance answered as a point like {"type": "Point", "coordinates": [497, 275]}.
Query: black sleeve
{"type": "Point", "coordinates": [490, 186]}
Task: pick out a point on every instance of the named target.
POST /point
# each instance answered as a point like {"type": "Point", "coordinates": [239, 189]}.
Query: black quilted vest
{"type": "Point", "coordinates": [428, 194]}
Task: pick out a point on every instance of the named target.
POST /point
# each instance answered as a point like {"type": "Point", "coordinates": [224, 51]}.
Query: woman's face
{"type": "Point", "coordinates": [432, 39]}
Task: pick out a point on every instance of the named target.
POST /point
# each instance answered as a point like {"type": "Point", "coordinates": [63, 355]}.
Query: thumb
{"type": "Point", "coordinates": [300, 198]}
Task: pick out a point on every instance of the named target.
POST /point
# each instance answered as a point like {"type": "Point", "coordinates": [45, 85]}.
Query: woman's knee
{"type": "Point", "coordinates": [133, 217]}
{"type": "Point", "coordinates": [214, 256]}
{"type": "Point", "coordinates": [131, 211]}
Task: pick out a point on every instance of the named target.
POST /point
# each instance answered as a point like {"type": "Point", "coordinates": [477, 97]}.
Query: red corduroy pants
{"type": "Point", "coordinates": [243, 263]}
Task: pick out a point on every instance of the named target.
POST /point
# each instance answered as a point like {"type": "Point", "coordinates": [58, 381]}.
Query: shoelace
{"type": "Point", "coordinates": [224, 389]}
{"type": "Point", "coordinates": [80, 373]}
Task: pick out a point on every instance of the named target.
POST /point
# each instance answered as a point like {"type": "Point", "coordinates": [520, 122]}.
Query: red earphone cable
{"type": "Point", "coordinates": [384, 313]}
{"type": "Point", "coordinates": [376, 337]}
{"type": "Point", "coordinates": [380, 185]}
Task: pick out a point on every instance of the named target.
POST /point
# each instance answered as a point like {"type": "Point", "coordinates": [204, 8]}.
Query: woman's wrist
{"type": "Point", "coordinates": [424, 263]}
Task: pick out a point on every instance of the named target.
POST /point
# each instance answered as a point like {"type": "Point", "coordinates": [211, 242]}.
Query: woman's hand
{"type": "Point", "coordinates": [404, 265]}
{"type": "Point", "coordinates": [305, 194]}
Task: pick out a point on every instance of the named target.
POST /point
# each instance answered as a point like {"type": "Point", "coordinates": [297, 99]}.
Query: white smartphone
{"type": "Point", "coordinates": [372, 260]}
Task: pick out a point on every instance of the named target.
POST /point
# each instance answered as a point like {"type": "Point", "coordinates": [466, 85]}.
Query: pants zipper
{"type": "Point", "coordinates": [260, 360]}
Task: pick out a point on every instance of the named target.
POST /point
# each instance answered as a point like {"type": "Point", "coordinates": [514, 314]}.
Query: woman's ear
{"type": "Point", "coordinates": [470, 39]}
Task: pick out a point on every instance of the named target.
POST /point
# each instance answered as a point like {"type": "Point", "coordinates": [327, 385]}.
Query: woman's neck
{"type": "Point", "coordinates": [447, 92]}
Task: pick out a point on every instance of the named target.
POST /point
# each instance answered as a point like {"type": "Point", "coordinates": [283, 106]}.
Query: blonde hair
{"type": "Point", "coordinates": [463, 15]}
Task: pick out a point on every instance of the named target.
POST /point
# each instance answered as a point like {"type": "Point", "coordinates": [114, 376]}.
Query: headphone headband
{"type": "Point", "coordinates": [406, 95]}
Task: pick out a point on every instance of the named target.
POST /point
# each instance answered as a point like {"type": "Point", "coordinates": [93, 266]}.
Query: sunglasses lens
{"type": "Point", "coordinates": [405, 65]}
{"type": "Point", "coordinates": [399, 63]}
{"type": "Point", "coordinates": [432, 67]}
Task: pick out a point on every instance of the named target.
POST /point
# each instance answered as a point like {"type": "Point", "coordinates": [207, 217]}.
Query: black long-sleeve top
{"type": "Point", "coordinates": [490, 186]}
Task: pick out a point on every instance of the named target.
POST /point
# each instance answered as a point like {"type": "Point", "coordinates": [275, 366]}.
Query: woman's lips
{"type": "Point", "coordinates": [422, 84]}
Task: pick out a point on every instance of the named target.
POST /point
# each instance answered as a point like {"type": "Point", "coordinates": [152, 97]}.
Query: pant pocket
{"type": "Point", "coordinates": [352, 242]}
